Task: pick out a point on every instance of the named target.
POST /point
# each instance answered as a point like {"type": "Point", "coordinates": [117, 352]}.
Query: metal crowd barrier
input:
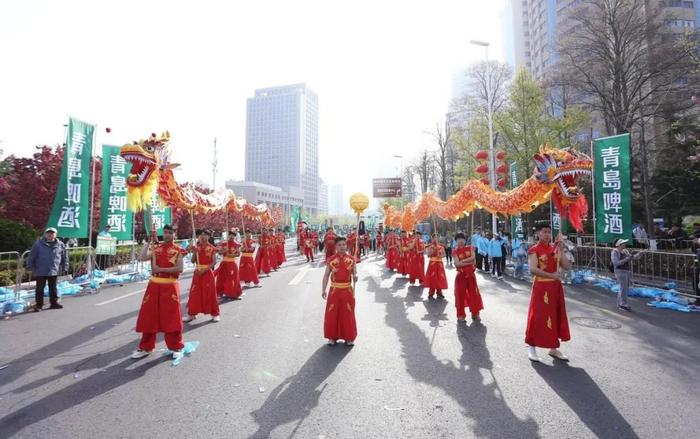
{"type": "Point", "coordinates": [652, 268]}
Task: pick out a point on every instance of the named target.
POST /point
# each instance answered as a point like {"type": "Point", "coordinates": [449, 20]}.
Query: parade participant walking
{"type": "Point", "coordinates": [467, 294]}
{"type": "Point", "coordinates": [353, 245]}
{"type": "Point", "coordinates": [247, 270]}
{"type": "Point", "coordinates": [392, 251]}
{"type": "Point", "coordinates": [228, 282]}
{"type": "Point", "coordinates": [308, 248]}
{"type": "Point", "coordinates": [339, 322]}
{"type": "Point", "coordinates": [417, 268]}
{"type": "Point", "coordinates": [380, 243]}
{"type": "Point", "coordinates": [160, 307]}
{"type": "Point", "coordinates": [281, 239]}
{"type": "Point", "coordinates": [47, 260]}
{"type": "Point", "coordinates": [404, 247]}
{"type": "Point", "coordinates": [202, 298]}
{"type": "Point", "coordinates": [329, 243]}
{"type": "Point", "coordinates": [272, 249]}
{"type": "Point", "coordinates": [547, 323]}
{"type": "Point", "coordinates": [435, 279]}
{"type": "Point", "coordinates": [262, 258]}
{"type": "Point", "coordinates": [314, 241]}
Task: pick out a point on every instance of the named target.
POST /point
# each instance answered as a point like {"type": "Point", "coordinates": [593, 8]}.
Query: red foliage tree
{"type": "Point", "coordinates": [28, 190]}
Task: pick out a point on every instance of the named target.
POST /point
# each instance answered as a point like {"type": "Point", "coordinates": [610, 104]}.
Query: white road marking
{"type": "Point", "coordinates": [297, 279]}
{"type": "Point", "coordinates": [120, 297]}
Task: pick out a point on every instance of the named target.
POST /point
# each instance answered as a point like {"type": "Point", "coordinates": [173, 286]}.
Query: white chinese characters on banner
{"type": "Point", "coordinates": [612, 185]}
{"type": "Point", "coordinates": [70, 212]}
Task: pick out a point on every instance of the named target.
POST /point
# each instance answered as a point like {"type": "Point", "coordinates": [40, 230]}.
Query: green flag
{"type": "Point", "coordinates": [71, 207]}
{"type": "Point", "coordinates": [613, 198]}
{"type": "Point", "coordinates": [295, 217]}
{"type": "Point", "coordinates": [113, 209]}
{"type": "Point", "coordinates": [157, 215]}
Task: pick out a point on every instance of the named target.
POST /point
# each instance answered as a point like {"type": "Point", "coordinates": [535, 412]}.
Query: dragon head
{"type": "Point", "coordinates": [561, 169]}
{"type": "Point", "coordinates": [148, 157]}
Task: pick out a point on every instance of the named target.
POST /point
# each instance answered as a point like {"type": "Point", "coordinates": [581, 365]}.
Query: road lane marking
{"type": "Point", "coordinates": [120, 297]}
{"type": "Point", "coordinates": [297, 279]}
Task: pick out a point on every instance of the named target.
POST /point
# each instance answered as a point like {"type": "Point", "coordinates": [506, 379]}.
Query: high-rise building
{"type": "Point", "coordinates": [282, 140]}
{"type": "Point", "coordinates": [539, 24]}
{"type": "Point", "coordinates": [322, 196]}
{"type": "Point", "coordinates": [336, 200]}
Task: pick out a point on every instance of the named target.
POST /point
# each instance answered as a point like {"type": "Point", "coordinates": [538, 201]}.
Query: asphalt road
{"type": "Point", "coordinates": [264, 370]}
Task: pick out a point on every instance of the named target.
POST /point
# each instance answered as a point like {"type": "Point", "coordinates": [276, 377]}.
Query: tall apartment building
{"type": "Point", "coordinates": [336, 200]}
{"type": "Point", "coordinates": [282, 140]}
{"type": "Point", "coordinates": [322, 196]}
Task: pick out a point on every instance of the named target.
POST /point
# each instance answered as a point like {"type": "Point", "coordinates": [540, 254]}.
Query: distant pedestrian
{"type": "Point", "coordinates": [520, 254]}
{"type": "Point", "coordinates": [495, 252]}
{"type": "Point", "coordinates": [622, 266]}
{"type": "Point", "coordinates": [47, 260]}
{"type": "Point", "coordinates": [640, 236]}
{"type": "Point", "coordinates": [449, 242]}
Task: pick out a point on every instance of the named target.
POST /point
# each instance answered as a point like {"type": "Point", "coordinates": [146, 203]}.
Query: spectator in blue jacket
{"type": "Point", "coordinates": [47, 260]}
{"type": "Point", "coordinates": [520, 257]}
{"type": "Point", "coordinates": [496, 253]}
{"type": "Point", "coordinates": [482, 247]}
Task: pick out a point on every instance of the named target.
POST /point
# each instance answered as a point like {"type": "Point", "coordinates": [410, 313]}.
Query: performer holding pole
{"type": "Point", "coordinates": [329, 243]}
{"type": "Point", "coordinates": [435, 279]}
{"type": "Point", "coordinates": [160, 307]}
{"type": "Point", "coordinates": [248, 272]}
{"type": "Point", "coordinates": [547, 322]}
{"type": "Point", "coordinates": [228, 282]}
{"type": "Point", "coordinates": [467, 293]}
{"type": "Point", "coordinates": [202, 298]}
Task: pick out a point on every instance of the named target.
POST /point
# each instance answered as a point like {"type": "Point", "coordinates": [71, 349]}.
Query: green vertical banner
{"type": "Point", "coordinates": [113, 210]}
{"type": "Point", "coordinates": [71, 207]}
{"type": "Point", "coordinates": [612, 183]}
{"type": "Point", "coordinates": [516, 221]}
{"type": "Point", "coordinates": [157, 215]}
{"type": "Point", "coordinates": [555, 222]}
{"type": "Point", "coordinates": [295, 218]}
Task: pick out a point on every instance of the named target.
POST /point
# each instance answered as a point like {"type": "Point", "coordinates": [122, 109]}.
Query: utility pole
{"type": "Point", "coordinates": [213, 166]}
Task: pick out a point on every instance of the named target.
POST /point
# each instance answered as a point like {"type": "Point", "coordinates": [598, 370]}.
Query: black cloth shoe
{"type": "Point", "coordinates": [56, 306]}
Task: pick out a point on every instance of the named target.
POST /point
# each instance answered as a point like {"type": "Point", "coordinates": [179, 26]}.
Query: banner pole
{"type": "Point", "coordinates": [595, 225]}
{"type": "Point", "coordinates": [92, 203]}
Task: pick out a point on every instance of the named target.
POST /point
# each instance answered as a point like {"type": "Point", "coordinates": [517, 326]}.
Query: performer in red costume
{"type": "Point", "coordinates": [272, 249]}
{"type": "Point", "coordinates": [467, 293]}
{"type": "Point", "coordinates": [314, 241]}
{"type": "Point", "coordinates": [352, 244]}
{"type": "Point", "coordinates": [329, 243]}
{"type": "Point", "coordinates": [379, 242]}
{"type": "Point", "coordinates": [160, 308]}
{"type": "Point", "coordinates": [248, 271]}
{"type": "Point", "coordinates": [202, 298]}
{"type": "Point", "coordinates": [300, 237]}
{"type": "Point", "coordinates": [262, 258]}
{"type": "Point", "coordinates": [281, 239]}
{"type": "Point", "coordinates": [228, 282]}
{"type": "Point", "coordinates": [435, 279]}
{"type": "Point", "coordinates": [404, 252]}
{"type": "Point", "coordinates": [417, 268]}
{"type": "Point", "coordinates": [547, 323]}
{"type": "Point", "coordinates": [392, 251]}
{"type": "Point", "coordinates": [339, 322]}
{"type": "Point", "coordinates": [308, 248]}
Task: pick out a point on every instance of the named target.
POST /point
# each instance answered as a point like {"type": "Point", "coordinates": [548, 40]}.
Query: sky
{"type": "Point", "coordinates": [383, 70]}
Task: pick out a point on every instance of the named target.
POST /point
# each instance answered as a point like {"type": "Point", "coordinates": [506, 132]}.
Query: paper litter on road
{"type": "Point", "coordinates": [4, 366]}
{"type": "Point", "coordinates": [76, 376]}
{"type": "Point", "coordinates": [189, 349]}
{"type": "Point", "coordinates": [392, 409]}
{"type": "Point", "coordinates": [261, 389]}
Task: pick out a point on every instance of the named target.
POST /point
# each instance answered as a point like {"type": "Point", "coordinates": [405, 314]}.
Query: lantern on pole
{"type": "Point", "coordinates": [358, 202]}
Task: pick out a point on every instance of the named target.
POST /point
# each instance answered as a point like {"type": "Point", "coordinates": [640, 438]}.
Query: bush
{"type": "Point", "coordinates": [15, 236]}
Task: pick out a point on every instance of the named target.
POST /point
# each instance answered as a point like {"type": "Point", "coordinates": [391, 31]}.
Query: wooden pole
{"type": "Point", "coordinates": [194, 234]}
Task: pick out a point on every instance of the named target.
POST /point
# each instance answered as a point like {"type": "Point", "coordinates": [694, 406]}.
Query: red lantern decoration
{"type": "Point", "coordinates": [501, 182]}
{"type": "Point", "coordinates": [501, 155]}
{"type": "Point", "coordinates": [482, 155]}
{"type": "Point", "coordinates": [482, 169]}
{"type": "Point", "coordinates": [485, 181]}
{"type": "Point", "coordinates": [502, 169]}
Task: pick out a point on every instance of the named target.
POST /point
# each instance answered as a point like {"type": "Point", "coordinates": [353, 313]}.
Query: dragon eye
{"type": "Point", "coordinates": [149, 148]}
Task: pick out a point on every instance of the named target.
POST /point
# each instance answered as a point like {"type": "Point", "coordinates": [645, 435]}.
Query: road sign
{"type": "Point", "coordinates": [386, 187]}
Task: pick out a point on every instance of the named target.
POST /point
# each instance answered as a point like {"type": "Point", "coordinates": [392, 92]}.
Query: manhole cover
{"type": "Point", "coordinates": [590, 322]}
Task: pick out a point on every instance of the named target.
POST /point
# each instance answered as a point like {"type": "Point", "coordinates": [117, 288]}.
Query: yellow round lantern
{"type": "Point", "coordinates": [359, 202]}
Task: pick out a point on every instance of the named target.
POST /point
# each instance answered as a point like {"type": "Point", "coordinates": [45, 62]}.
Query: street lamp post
{"type": "Point", "coordinates": [400, 157]}
{"type": "Point", "coordinates": [489, 105]}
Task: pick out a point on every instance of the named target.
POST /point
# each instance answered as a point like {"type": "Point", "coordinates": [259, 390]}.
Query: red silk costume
{"type": "Point", "coordinates": [329, 245]}
{"type": "Point", "coordinates": [314, 241]}
{"type": "Point", "coordinates": [228, 282]}
{"type": "Point", "coordinates": [248, 271]}
{"type": "Point", "coordinates": [262, 258]}
{"type": "Point", "coordinates": [339, 322]}
{"type": "Point", "coordinates": [281, 256]}
{"type": "Point", "coordinates": [380, 242]}
{"type": "Point", "coordinates": [353, 246]}
{"type": "Point", "coordinates": [404, 255]}
{"type": "Point", "coordinates": [392, 252]}
{"type": "Point", "coordinates": [417, 261]}
{"type": "Point", "coordinates": [435, 278]}
{"type": "Point", "coordinates": [160, 307]}
{"type": "Point", "coordinates": [308, 249]}
{"type": "Point", "coordinates": [467, 293]}
{"type": "Point", "coordinates": [202, 299]}
{"type": "Point", "coordinates": [547, 322]}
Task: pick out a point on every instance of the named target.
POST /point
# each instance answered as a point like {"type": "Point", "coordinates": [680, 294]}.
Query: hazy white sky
{"type": "Point", "coordinates": [383, 71]}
